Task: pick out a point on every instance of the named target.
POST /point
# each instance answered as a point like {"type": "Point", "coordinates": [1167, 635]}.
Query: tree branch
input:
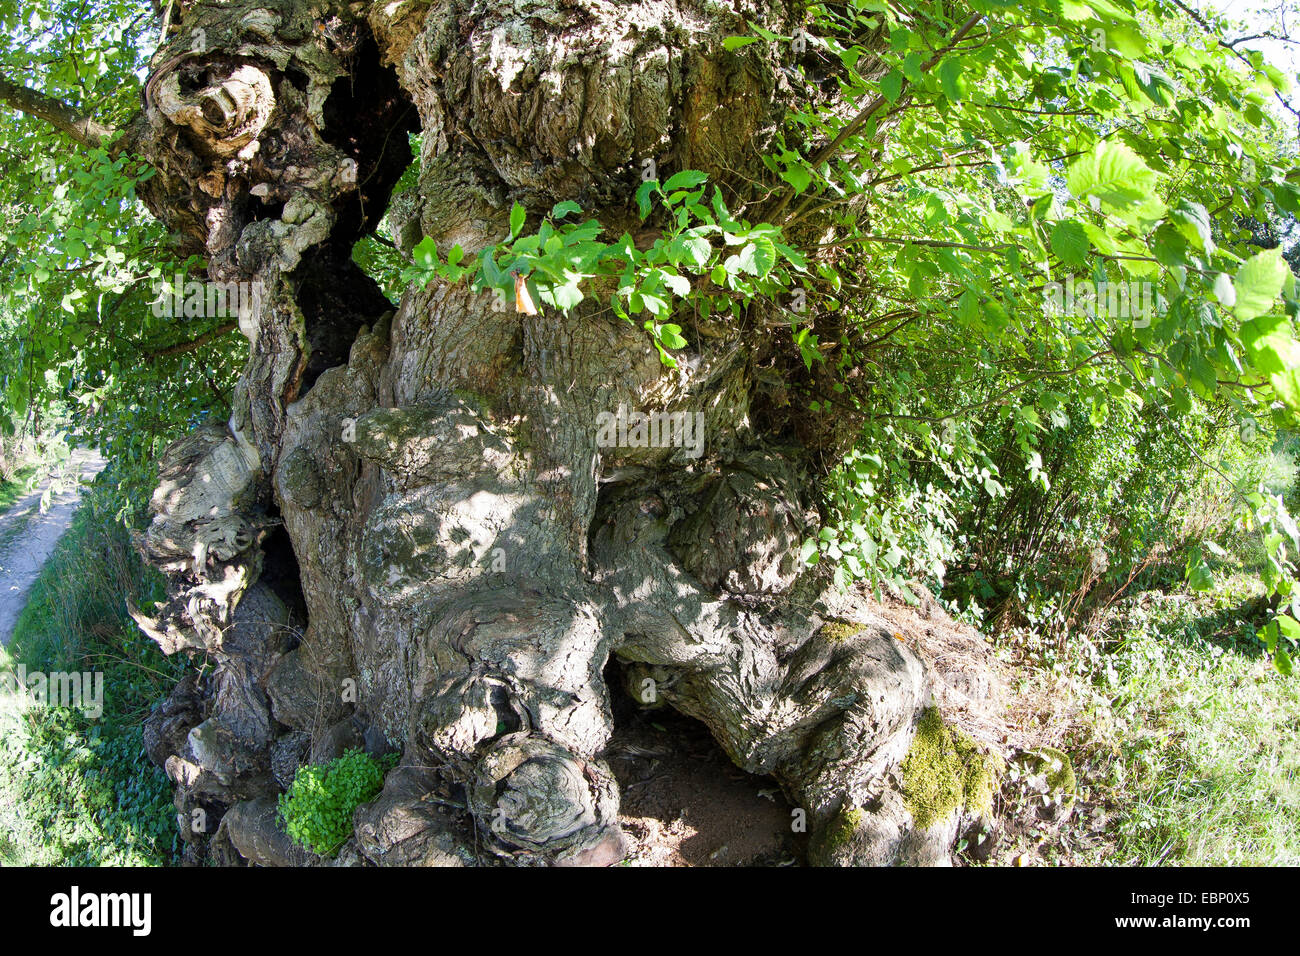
{"type": "Point", "coordinates": [83, 128]}
{"type": "Point", "coordinates": [855, 124]}
{"type": "Point", "coordinates": [189, 345]}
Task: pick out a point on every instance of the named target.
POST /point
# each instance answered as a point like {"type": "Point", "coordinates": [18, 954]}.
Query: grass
{"type": "Point", "coordinates": [13, 490]}
{"type": "Point", "coordinates": [1203, 763]}
{"type": "Point", "coordinates": [76, 790]}
{"type": "Point", "coordinates": [1182, 734]}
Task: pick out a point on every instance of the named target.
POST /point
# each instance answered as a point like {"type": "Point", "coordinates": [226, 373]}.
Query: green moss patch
{"type": "Point", "coordinates": [841, 829]}
{"type": "Point", "coordinates": [946, 770]}
{"type": "Point", "coordinates": [832, 844]}
{"type": "Point", "coordinates": [836, 631]}
{"type": "Point", "coordinates": [1055, 767]}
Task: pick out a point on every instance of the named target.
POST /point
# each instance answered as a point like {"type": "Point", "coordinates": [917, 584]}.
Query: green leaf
{"type": "Point", "coordinates": [686, 179]}
{"type": "Point", "coordinates": [643, 194]}
{"type": "Point", "coordinates": [1271, 344]}
{"type": "Point", "coordinates": [1128, 40]}
{"type": "Point", "coordinates": [798, 177]}
{"type": "Point", "coordinates": [563, 297]}
{"type": "Point", "coordinates": [692, 249]}
{"type": "Point", "coordinates": [1224, 291]}
{"type": "Point", "coordinates": [912, 68]}
{"type": "Point", "coordinates": [680, 285]}
{"type": "Point", "coordinates": [891, 85]}
{"type": "Point", "coordinates": [562, 209]}
{"type": "Point", "coordinates": [671, 336]}
{"type": "Point", "coordinates": [1259, 282]}
{"type": "Point", "coordinates": [425, 253]}
{"type": "Point", "coordinates": [757, 257]}
{"type": "Point", "coordinates": [1193, 221]}
{"type": "Point", "coordinates": [1070, 243]}
{"type": "Point", "coordinates": [1114, 174]}
{"type": "Point", "coordinates": [1200, 577]}
{"type": "Point", "coordinates": [517, 216]}
{"type": "Point", "coordinates": [950, 78]}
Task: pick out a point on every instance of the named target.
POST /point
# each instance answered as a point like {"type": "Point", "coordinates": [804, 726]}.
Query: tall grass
{"type": "Point", "coordinates": [1182, 734]}
{"type": "Point", "coordinates": [1204, 766]}
{"type": "Point", "coordinates": [76, 790]}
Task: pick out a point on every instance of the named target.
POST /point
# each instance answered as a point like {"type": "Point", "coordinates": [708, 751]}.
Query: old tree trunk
{"type": "Point", "coordinates": [408, 535]}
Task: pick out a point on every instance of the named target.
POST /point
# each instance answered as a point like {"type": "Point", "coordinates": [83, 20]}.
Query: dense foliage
{"type": "Point", "coordinates": [1072, 296]}
{"type": "Point", "coordinates": [81, 261]}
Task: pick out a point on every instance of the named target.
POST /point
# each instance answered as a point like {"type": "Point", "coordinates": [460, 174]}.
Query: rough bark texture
{"type": "Point", "coordinates": [411, 501]}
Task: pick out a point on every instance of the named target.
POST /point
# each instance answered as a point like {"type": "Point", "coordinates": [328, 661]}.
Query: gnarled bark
{"type": "Point", "coordinates": [413, 503]}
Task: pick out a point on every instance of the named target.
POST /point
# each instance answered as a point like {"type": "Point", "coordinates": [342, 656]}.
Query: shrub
{"type": "Point", "coordinates": [317, 810]}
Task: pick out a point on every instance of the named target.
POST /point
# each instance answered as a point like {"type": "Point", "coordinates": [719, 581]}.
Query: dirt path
{"type": "Point", "coordinates": [27, 539]}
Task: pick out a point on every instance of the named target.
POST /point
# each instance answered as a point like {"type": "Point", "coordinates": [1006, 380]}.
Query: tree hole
{"type": "Point", "coordinates": [369, 117]}
{"type": "Point", "coordinates": [683, 802]}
